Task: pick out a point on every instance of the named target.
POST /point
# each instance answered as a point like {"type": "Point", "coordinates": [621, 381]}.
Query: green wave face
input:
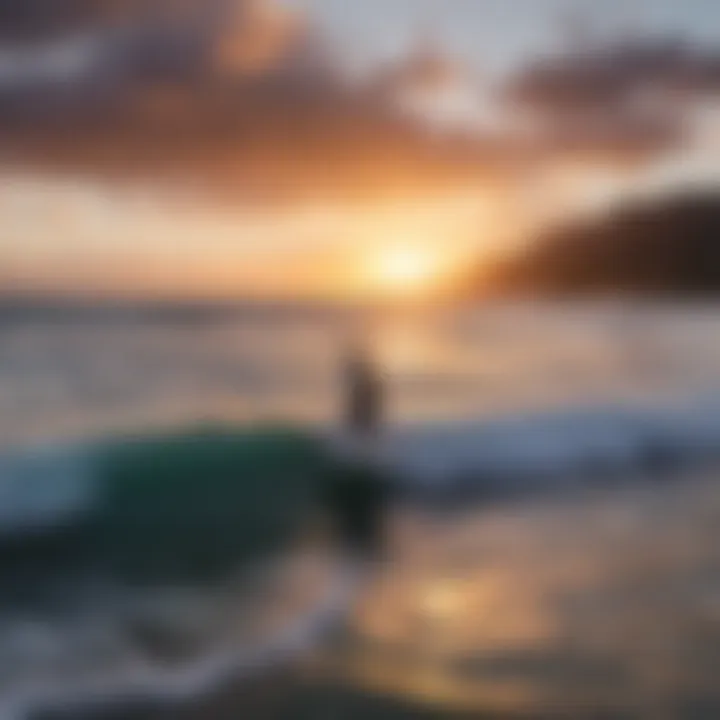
{"type": "Point", "coordinates": [182, 506]}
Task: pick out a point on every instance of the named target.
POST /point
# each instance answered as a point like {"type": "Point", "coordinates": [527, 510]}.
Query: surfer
{"type": "Point", "coordinates": [364, 396]}
{"type": "Point", "coordinates": [357, 493]}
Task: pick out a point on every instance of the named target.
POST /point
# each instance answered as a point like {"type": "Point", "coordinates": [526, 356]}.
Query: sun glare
{"type": "Point", "coordinates": [404, 269]}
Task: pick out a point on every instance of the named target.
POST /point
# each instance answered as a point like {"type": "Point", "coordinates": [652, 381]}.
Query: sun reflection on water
{"type": "Point", "coordinates": [550, 607]}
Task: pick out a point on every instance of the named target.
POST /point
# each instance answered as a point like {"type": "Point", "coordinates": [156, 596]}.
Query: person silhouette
{"type": "Point", "coordinates": [357, 492]}
{"type": "Point", "coordinates": [363, 395]}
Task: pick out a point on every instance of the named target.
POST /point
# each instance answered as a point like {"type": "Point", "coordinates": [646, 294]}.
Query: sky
{"type": "Point", "coordinates": [494, 35]}
{"type": "Point", "coordinates": [196, 152]}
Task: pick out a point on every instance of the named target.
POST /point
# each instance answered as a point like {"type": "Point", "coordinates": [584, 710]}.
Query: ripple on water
{"type": "Point", "coordinates": [603, 602]}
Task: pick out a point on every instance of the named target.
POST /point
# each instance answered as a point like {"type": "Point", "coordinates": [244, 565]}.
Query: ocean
{"type": "Point", "coordinates": [69, 376]}
{"type": "Point", "coordinates": [183, 440]}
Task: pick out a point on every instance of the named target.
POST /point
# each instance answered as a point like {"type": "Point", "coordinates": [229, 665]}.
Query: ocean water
{"type": "Point", "coordinates": [602, 605]}
{"type": "Point", "coordinates": [537, 400]}
{"type": "Point", "coordinates": [68, 377]}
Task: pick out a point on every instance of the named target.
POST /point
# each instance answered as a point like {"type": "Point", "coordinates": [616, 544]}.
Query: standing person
{"type": "Point", "coordinates": [357, 493]}
{"type": "Point", "coordinates": [363, 396]}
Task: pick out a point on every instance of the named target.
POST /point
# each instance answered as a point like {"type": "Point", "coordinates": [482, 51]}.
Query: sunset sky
{"type": "Point", "coordinates": [329, 148]}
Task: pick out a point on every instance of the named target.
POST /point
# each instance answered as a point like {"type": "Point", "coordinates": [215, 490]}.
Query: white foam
{"type": "Point", "coordinates": [143, 681]}
{"type": "Point", "coordinates": [551, 448]}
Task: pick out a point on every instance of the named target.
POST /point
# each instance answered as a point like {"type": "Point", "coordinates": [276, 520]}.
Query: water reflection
{"type": "Point", "coordinates": [603, 604]}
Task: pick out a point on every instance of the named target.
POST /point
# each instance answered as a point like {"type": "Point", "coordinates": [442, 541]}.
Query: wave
{"type": "Point", "coordinates": [161, 508]}
{"type": "Point", "coordinates": [45, 487]}
{"type": "Point", "coordinates": [143, 566]}
{"type": "Point", "coordinates": [139, 680]}
{"type": "Point", "coordinates": [158, 509]}
{"type": "Point", "coordinates": [56, 486]}
{"type": "Point", "coordinates": [551, 450]}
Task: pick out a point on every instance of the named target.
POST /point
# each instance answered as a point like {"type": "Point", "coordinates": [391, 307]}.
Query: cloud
{"type": "Point", "coordinates": [152, 40]}
{"type": "Point", "coordinates": [616, 73]}
{"type": "Point", "coordinates": [62, 61]}
{"type": "Point", "coordinates": [238, 97]}
{"type": "Point", "coordinates": [232, 99]}
{"type": "Point", "coordinates": [34, 20]}
{"type": "Point", "coordinates": [635, 94]}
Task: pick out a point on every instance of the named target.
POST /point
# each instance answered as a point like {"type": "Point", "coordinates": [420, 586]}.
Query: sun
{"type": "Point", "coordinates": [404, 269]}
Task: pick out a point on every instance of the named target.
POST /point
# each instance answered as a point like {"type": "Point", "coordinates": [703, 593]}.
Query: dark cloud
{"type": "Point", "coordinates": [637, 93]}
{"type": "Point", "coordinates": [231, 97]}
{"type": "Point", "coordinates": [235, 94]}
{"type": "Point", "coordinates": [616, 73]}
{"type": "Point", "coordinates": [148, 40]}
{"type": "Point", "coordinates": [33, 20]}
{"type": "Point", "coordinates": [176, 61]}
